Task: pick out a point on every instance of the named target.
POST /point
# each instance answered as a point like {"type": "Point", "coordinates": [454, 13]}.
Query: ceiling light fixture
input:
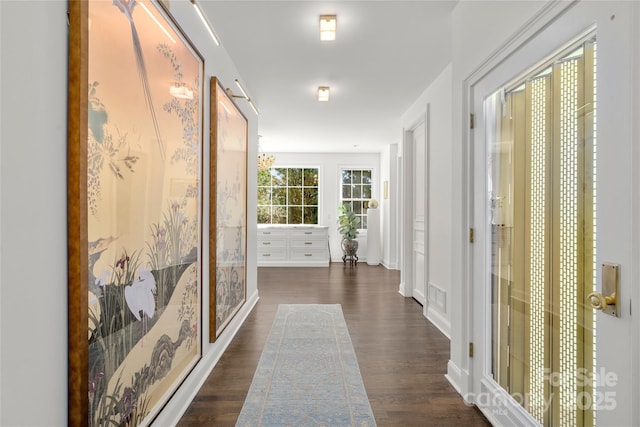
{"type": "Point", "coordinates": [323, 93]}
{"type": "Point", "coordinates": [328, 26]}
{"type": "Point", "coordinates": [265, 161]}
{"type": "Point", "coordinates": [206, 22]}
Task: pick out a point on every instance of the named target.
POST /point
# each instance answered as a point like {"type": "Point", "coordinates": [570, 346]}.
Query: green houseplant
{"type": "Point", "coordinates": [348, 223]}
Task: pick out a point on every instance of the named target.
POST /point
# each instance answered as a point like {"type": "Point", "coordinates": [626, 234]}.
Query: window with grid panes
{"type": "Point", "coordinates": [288, 196]}
{"type": "Point", "coordinates": [356, 191]}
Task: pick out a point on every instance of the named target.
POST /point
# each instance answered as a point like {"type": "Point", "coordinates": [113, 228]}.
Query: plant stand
{"type": "Point", "coordinates": [353, 259]}
{"type": "Point", "coordinates": [350, 250]}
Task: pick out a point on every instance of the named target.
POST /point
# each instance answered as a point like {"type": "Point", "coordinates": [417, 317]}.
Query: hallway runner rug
{"type": "Point", "coordinates": [308, 374]}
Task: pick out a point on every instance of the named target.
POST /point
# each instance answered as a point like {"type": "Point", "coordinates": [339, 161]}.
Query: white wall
{"type": "Point", "coordinates": [437, 100]}
{"type": "Point", "coordinates": [33, 218]}
{"type": "Point", "coordinates": [329, 166]}
{"type": "Point", "coordinates": [33, 270]}
{"type": "Point", "coordinates": [390, 237]}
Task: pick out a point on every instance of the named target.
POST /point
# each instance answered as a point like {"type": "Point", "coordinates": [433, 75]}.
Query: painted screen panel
{"type": "Point", "coordinates": [136, 92]}
{"type": "Point", "coordinates": [228, 201]}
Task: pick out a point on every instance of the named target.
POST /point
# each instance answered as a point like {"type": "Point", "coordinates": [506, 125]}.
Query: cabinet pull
{"type": "Point", "coordinates": [308, 243]}
{"type": "Point", "coordinates": [266, 243]}
{"type": "Point", "coordinates": [266, 254]}
{"type": "Point", "coordinates": [308, 232]}
{"type": "Point", "coordinates": [308, 254]}
{"type": "Point", "coordinates": [266, 232]}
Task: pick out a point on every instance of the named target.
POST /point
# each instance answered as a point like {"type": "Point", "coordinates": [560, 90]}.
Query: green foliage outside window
{"type": "Point", "coordinates": [356, 192]}
{"type": "Point", "coordinates": [288, 196]}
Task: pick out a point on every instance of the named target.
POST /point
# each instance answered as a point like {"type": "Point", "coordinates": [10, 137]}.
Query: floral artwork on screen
{"type": "Point", "coordinates": [143, 211]}
{"type": "Point", "coordinates": [229, 196]}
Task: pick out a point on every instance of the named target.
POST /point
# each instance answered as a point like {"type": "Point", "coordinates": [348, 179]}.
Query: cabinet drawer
{"type": "Point", "coordinates": [272, 243]}
{"type": "Point", "coordinates": [309, 255]}
{"type": "Point", "coordinates": [271, 254]}
{"type": "Point", "coordinates": [270, 234]}
{"type": "Point", "coordinates": [309, 243]}
{"type": "Point", "coordinates": [308, 233]}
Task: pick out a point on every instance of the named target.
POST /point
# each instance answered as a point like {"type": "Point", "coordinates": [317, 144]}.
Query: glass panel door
{"type": "Point", "coordinates": [542, 184]}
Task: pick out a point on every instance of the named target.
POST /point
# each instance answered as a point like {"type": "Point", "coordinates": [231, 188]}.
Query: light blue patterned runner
{"type": "Point", "coordinates": [308, 374]}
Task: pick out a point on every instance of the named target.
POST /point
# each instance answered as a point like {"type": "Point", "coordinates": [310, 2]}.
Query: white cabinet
{"type": "Point", "coordinates": [293, 246]}
{"type": "Point", "coordinates": [272, 245]}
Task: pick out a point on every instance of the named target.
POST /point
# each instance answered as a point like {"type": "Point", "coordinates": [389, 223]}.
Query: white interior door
{"type": "Point", "coordinates": [418, 217]}
{"type": "Point", "coordinates": [560, 197]}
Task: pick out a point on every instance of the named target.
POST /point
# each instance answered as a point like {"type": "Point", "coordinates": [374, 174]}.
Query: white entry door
{"type": "Point", "coordinates": [418, 216]}
{"type": "Point", "coordinates": [552, 210]}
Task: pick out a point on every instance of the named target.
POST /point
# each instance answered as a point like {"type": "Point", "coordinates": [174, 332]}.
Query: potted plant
{"type": "Point", "coordinates": [348, 223]}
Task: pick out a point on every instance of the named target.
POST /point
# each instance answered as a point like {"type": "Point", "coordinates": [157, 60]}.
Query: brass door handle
{"type": "Point", "coordinates": [599, 301]}
{"type": "Point", "coordinates": [607, 301]}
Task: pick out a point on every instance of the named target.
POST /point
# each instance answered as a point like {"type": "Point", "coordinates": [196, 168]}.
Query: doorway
{"type": "Point", "coordinates": [418, 217]}
{"type": "Point", "coordinates": [542, 145]}
{"type": "Point", "coordinates": [551, 202]}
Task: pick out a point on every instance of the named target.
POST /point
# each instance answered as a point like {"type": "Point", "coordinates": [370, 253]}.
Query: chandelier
{"type": "Point", "coordinates": [265, 161]}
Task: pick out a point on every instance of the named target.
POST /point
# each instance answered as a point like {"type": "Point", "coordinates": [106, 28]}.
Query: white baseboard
{"type": "Point", "coordinates": [440, 321]}
{"type": "Point", "coordinates": [500, 408]}
{"type": "Point", "coordinates": [402, 289]}
{"type": "Point", "coordinates": [389, 265]}
{"type": "Point", "coordinates": [457, 378]}
{"type": "Point", "coordinates": [179, 403]}
{"type": "Point", "coordinates": [492, 400]}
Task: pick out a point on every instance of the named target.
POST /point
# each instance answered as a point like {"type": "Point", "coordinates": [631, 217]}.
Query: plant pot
{"type": "Point", "coordinates": [350, 249]}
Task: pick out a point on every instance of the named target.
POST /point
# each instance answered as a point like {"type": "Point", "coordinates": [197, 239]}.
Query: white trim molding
{"type": "Point", "coordinates": [458, 378]}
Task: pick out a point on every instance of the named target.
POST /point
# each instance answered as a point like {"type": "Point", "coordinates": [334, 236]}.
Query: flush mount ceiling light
{"type": "Point", "coordinates": [323, 93]}
{"type": "Point", "coordinates": [328, 26]}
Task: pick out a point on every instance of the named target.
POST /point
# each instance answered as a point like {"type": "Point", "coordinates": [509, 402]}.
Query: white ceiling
{"type": "Point", "coordinates": [384, 56]}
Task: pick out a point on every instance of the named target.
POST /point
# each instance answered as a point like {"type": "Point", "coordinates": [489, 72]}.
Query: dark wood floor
{"type": "Point", "coordinates": [402, 357]}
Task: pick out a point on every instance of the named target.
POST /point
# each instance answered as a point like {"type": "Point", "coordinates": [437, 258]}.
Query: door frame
{"type": "Point", "coordinates": [408, 150]}
{"type": "Point", "coordinates": [555, 21]}
{"type": "Point", "coordinates": [635, 345]}
{"type": "Point", "coordinates": [422, 299]}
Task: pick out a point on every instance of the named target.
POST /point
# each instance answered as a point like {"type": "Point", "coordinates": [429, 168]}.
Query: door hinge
{"type": "Point", "coordinates": [470, 349]}
{"type": "Point", "coordinates": [472, 121]}
{"type": "Point", "coordinates": [471, 235]}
